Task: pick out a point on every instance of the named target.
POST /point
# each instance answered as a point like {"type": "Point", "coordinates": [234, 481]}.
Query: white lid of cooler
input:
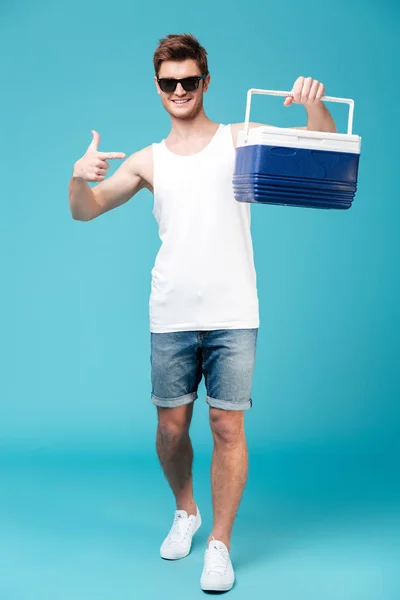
{"type": "Point", "coordinates": [300, 138]}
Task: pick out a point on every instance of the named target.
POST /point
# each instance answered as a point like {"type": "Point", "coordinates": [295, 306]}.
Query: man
{"type": "Point", "coordinates": [203, 306]}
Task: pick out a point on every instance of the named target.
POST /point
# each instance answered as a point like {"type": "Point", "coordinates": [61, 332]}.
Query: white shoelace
{"type": "Point", "coordinates": [179, 528]}
{"type": "Point", "coordinates": [217, 558]}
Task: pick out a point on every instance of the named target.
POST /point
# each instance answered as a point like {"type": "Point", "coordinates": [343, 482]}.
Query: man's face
{"type": "Point", "coordinates": [180, 103]}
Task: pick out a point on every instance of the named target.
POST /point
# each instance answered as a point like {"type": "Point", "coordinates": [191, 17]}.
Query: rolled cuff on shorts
{"type": "Point", "coordinates": [173, 402]}
{"type": "Point", "coordinates": [229, 404]}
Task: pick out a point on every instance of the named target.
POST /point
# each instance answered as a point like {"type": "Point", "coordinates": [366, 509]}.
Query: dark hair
{"type": "Point", "coordinates": [180, 47]}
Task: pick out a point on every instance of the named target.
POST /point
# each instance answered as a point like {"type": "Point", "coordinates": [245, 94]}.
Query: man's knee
{"type": "Point", "coordinates": [174, 423]}
{"type": "Point", "coordinates": [227, 426]}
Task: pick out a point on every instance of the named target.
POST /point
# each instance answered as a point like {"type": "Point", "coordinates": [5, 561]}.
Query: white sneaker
{"type": "Point", "coordinates": [218, 574]}
{"type": "Point", "coordinates": [178, 542]}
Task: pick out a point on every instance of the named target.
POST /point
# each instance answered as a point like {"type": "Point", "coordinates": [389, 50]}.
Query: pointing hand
{"type": "Point", "coordinates": [93, 165]}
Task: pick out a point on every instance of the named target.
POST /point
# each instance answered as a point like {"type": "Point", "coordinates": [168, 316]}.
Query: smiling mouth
{"type": "Point", "coordinates": [180, 102]}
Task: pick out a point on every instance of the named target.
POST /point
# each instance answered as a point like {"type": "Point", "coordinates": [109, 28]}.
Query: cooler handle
{"type": "Point", "coordinates": [279, 93]}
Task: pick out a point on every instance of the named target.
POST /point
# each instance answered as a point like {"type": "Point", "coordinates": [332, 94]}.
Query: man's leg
{"type": "Point", "coordinates": [228, 471]}
{"type": "Point", "coordinates": [176, 373]}
{"type": "Point", "coordinates": [175, 453]}
{"type": "Point", "coordinates": [229, 358]}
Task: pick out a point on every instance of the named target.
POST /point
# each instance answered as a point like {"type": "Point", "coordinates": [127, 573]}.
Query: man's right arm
{"type": "Point", "coordinates": [87, 203]}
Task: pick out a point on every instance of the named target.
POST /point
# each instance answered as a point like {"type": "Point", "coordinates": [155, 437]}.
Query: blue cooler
{"type": "Point", "coordinates": [296, 167]}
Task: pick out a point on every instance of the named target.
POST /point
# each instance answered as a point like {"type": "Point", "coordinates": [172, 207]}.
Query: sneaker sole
{"type": "Point", "coordinates": [181, 555]}
{"type": "Point", "coordinates": [222, 587]}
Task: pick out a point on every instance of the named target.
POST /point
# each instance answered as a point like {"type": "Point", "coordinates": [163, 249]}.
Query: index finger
{"type": "Point", "coordinates": [111, 155]}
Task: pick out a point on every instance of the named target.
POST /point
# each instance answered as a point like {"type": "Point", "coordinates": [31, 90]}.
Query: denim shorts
{"type": "Point", "coordinates": [225, 357]}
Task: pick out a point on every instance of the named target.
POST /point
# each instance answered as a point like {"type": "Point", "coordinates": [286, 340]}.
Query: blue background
{"type": "Point", "coordinates": [83, 504]}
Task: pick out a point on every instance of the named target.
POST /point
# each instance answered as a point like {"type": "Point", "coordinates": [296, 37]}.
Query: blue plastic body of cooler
{"type": "Point", "coordinates": [253, 196]}
{"type": "Point", "coordinates": [284, 175]}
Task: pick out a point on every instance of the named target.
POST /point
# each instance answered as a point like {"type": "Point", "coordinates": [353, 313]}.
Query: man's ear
{"type": "Point", "coordinates": [157, 86]}
{"type": "Point", "coordinates": [206, 82]}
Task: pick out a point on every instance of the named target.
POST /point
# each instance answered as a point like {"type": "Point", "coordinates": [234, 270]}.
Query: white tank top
{"type": "Point", "coordinates": [204, 276]}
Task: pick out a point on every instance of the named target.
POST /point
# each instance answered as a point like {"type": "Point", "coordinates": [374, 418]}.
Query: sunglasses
{"type": "Point", "coordinates": [189, 84]}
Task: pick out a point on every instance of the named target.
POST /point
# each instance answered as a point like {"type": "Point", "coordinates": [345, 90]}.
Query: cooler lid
{"type": "Point", "coordinates": [300, 138]}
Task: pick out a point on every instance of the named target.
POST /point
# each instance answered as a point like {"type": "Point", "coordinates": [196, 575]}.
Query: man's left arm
{"type": "Point", "coordinates": [309, 91]}
{"type": "Point", "coordinates": [306, 91]}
